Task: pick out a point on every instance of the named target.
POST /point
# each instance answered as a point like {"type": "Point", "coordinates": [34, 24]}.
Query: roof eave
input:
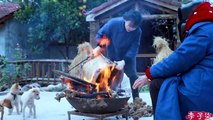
{"type": "Point", "coordinates": [173, 7]}
{"type": "Point", "coordinates": [6, 17]}
{"type": "Point", "coordinates": [91, 17]}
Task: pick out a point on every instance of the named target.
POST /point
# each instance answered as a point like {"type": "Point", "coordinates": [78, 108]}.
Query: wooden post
{"type": "Point", "coordinates": [43, 69]}
{"type": "Point", "coordinates": [94, 27]}
{"type": "Point", "coordinates": [136, 6]}
{"type": "Point", "coordinates": [37, 70]}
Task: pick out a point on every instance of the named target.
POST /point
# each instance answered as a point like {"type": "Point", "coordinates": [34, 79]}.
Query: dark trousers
{"type": "Point", "coordinates": [154, 89]}
{"type": "Point", "coordinates": [135, 92]}
{"type": "Point", "coordinates": [130, 70]}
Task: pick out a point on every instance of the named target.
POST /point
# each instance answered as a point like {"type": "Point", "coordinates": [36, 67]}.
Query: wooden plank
{"type": "Point", "coordinates": [43, 79]}
{"type": "Point", "coordinates": [41, 60]}
{"type": "Point", "coordinates": [94, 27]}
{"type": "Point", "coordinates": [160, 16]}
{"type": "Point", "coordinates": [54, 68]}
{"type": "Point", "coordinates": [49, 70]}
{"type": "Point", "coordinates": [74, 79]}
{"type": "Point", "coordinates": [43, 69]}
{"type": "Point", "coordinates": [92, 17]}
{"type": "Point", "coordinates": [146, 55]}
{"type": "Point", "coordinates": [33, 69]}
{"type": "Point", "coordinates": [38, 69]}
{"type": "Point", "coordinates": [147, 6]}
{"type": "Point", "coordinates": [163, 4]}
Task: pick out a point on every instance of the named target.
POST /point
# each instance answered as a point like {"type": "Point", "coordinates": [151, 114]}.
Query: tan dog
{"type": "Point", "coordinates": [14, 96]}
{"type": "Point", "coordinates": [4, 103]}
{"type": "Point", "coordinates": [162, 49]}
{"type": "Point", "coordinates": [84, 50]}
{"type": "Point", "coordinates": [27, 100]}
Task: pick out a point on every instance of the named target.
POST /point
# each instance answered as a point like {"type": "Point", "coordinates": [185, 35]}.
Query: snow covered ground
{"type": "Point", "coordinates": [50, 109]}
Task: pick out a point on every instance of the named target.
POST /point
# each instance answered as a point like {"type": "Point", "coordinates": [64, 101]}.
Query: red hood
{"type": "Point", "coordinates": [203, 12]}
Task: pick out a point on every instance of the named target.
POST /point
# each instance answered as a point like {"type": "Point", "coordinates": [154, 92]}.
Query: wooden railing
{"type": "Point", "coordinates": [39, 70]}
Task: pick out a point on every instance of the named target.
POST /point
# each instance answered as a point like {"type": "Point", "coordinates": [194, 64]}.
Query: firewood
{"type": "Point", "coordinates": [74, 79]}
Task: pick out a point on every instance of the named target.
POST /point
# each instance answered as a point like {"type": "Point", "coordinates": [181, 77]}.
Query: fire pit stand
{"type": "Point", "coordinates": [98, 116]}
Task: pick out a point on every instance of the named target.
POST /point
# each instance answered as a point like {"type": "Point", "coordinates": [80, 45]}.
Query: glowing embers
{"type": "Point", "coordinates": [103, 84]}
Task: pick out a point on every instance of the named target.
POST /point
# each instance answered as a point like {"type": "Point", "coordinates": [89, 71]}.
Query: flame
{"type": "Point", "coordinates": [104, 84]}
{"type": "Point", "coordinates": [103, 77]}
{"type": "Point", "coordinates": [104, 41]}
{"type": "Point", "coordinates": [72, 87]}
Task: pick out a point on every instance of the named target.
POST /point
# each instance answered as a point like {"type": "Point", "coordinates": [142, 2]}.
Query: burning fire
{"type": "Point", "coordinates": [102, 84]}
{"type": "Point", "coordinates": [73, 88]}
{"type": "Point", "coordinates": [104, 41]}
{"type": "Point", "coordinates": [102, 76]}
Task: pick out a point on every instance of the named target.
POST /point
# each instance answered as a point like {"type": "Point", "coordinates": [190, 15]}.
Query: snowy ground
{"type": "Point", "coordinates": [50, 109]}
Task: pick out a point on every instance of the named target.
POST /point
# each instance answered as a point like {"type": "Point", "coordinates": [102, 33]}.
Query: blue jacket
{"type": "Point", "coordinates": [122, 43]}
{"type": "Point", "coordinates": [189, 73]}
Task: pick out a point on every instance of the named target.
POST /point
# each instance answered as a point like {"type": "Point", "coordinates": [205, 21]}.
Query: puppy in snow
{"type": "Point", "coordinates": [14, 96]}
{"type": "Point", "coordinates": [27, 100]}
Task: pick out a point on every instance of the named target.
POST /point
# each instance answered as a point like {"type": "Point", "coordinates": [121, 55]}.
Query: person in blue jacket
{"type": "Point", "coordinates": [187, 74]}
{"type": "Point", "coordinates": [124, 34]}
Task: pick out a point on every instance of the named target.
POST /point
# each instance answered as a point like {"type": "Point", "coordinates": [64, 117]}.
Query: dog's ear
{"type": "Point", "coordinates": [155, 42]}
{"type": "Point", "coordinates": [85, 47]}
{"type": "Point", "coordinates": [88, 47]}
{"type": "Point", "coordinates": [80, 48]}
{"type": "Point", "coordinates": [34, 90]}
{"type": "Point", "coordinates": [17, 85]}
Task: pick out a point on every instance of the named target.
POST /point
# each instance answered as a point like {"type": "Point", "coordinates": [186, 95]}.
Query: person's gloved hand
{"type": "Point", "coordinates": [97, 51]}
{"type": "Point", "coordinates": [120, 64]}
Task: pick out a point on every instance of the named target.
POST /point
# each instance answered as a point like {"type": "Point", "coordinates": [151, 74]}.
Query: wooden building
{"type": "Point", "coordinates": [8, 28]}
{"type": "Point", "coordinates": [159, 19]}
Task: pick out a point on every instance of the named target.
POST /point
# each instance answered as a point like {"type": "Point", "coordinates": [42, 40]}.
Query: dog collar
{"type": "Point", "coordinates": [14, 95]}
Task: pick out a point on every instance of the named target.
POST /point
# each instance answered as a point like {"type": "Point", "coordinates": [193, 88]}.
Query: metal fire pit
{"type": "Point", "coordinates": [97, 106]}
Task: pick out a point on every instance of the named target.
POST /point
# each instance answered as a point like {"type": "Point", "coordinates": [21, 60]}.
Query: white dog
{"type": "Point", "coordinates": [162, 49]}
{"type": "Point", "coordinates": [14, 96]}
{"type": "Point", "coordinates": [27, 100]}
